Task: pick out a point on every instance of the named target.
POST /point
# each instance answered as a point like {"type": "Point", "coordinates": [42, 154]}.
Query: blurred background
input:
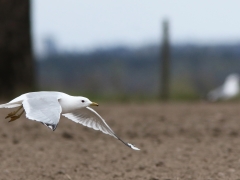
{"type": "Point", "coordinates": [119, 50]}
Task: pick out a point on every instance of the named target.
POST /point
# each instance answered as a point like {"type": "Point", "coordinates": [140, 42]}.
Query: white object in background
{"type": "Point", "coordinates": [228, 90]}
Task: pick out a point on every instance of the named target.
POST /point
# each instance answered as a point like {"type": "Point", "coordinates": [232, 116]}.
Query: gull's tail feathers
{"type": "Point", "coordinates": [10, 105]}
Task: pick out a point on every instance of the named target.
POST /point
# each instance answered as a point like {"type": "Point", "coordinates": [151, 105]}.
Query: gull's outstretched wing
{"type": "Point", "coordinates": [90, 118]}
{"type": "Point", "coordinates": [45, 110]}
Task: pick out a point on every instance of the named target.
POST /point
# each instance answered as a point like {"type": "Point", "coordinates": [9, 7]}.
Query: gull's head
{"type": "Point", "coordinates": [85, 102]}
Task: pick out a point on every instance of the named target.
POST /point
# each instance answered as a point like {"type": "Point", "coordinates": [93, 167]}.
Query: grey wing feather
{"type": "Point", "coordinates": [90, 118]}
{"type": "Point", "coordinates": [45, 110]}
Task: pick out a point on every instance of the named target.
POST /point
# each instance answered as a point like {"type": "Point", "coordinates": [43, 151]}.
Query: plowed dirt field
{"type": "Point", "coordinates": [178, 141]}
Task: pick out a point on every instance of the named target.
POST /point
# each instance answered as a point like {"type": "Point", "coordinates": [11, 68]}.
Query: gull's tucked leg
{"type": "Point", "coordinates": [13, 113]}
{"type": "Point", "coordinates": [15, 117]}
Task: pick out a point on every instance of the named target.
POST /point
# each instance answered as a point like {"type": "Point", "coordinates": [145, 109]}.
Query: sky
{"type": "Point", "coordinates": [77, 25]}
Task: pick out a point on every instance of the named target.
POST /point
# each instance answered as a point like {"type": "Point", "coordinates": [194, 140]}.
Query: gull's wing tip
{"type": "Point", "coordinates": [133, 147]}
{"type": "Point", "coordinates": [51, 126]}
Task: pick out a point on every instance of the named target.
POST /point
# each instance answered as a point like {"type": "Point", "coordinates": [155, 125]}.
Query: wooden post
{"type": "Point", "coordinates": [165, 62]}
{"type": "Point", "coordinates": [16, 62]}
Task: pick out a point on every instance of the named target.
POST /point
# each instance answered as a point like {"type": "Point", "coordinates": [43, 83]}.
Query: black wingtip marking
{"type": "Point", "coordinates": [51, 126]}
{"type": "Point", "coordinates": [128, 144]}
{"type": "Point", "coordinates": [133, 147]}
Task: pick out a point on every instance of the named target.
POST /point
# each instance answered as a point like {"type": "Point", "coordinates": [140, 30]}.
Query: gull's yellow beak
{"type": "Point", "coordinates": [94, 104]}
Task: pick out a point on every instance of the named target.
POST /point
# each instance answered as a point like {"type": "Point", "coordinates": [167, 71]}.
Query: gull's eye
{"type": "Point", "coordinates": [83, 101]}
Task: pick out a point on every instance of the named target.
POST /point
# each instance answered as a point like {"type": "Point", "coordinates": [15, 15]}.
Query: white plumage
{"type": "Point", "coordinates": [46, 107]}
{"type": "Point", "coordinates": [228, 90]}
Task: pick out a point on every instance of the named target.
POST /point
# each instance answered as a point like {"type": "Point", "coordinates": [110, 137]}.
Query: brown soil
{"type": "Point", "coordinates": [177, 141]}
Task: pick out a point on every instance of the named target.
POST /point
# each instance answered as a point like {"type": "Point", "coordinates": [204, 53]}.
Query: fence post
{"type": "Point", "coordinates": [165, 62]}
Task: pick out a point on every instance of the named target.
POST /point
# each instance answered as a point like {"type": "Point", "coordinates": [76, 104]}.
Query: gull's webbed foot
{"type": "Point", "coordinates": [10, 114]}
{"type": "Point", "coordinates": [13, 115]}
{"type": "Point", "coordinates": [13, 118]}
